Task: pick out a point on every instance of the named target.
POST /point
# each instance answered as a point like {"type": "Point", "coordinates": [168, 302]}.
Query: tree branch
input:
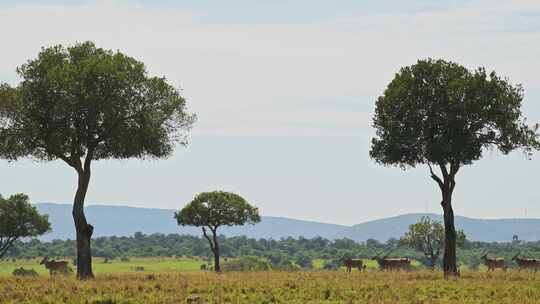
{"type": "Point", "coordinates": [209, 239]}
{"type": "Point", "coordinates": [67, 160]}
{"type": "Point", "coordinates": [454, 168]}
{"type": "Point", "coordinates": [88, 159]}
{"type": "Point", "coordinates": [444, 170]}
{"type": "Point", "coordinates": [435, 177]}
{"type": "Point", "coordinates": [4, 247]}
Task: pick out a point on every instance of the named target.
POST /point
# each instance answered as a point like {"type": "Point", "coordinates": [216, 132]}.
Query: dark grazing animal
{"type": "Point", "coordinates": [55, 266]}
{"type": "Point", "coordinates": [493, 263]}
{"type": "Point", "coordinates": [524, 263]}
{"type": "Point", "coordinates": [353, 263]}
{"type": "Point", "coordinates": [386, 263]}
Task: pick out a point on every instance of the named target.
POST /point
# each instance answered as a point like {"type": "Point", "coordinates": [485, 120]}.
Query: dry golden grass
{"type": "Point", "coordinates": [277, 287]}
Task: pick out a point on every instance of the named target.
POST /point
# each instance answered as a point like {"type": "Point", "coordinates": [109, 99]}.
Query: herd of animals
{"type": "Point", "coordinates": [492, 264]}
{"type": "Point", "coordinates": [500, 263]}
{"type": "Point", "coordinates": [385, 263]}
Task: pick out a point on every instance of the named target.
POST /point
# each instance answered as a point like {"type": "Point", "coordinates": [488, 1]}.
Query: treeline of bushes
{"type": "Point", "coordinates": [286, 253]}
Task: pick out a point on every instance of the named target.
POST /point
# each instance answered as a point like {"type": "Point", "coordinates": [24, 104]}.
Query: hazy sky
{"type": "Point", "coordinates": [284, 92]}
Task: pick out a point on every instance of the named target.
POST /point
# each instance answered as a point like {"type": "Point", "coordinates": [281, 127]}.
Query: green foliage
{"type": "Point", "coordinates": [218, 208]}
{"type": "Point", "coordinates": [83, 100]}
{"type": "Point", "coordinates": [83, 103]}
{"type": "Point", "coordinates": [439, 112]}
{"type": "Point", "coordinates": [281, 261]}
{"type": "Point", "coordinates": [21, 272]}
{"type": "Point", "coordinates": [19, 219]}
{"type": "Point", "coordinates": [281, 254]}
{"type": "Point", "coordinates": [427, 237]}
{"type": "Point", "coordinates": [303, 260]}
{"type": "Point", "coordinates": [333, 264]}
{"type": "Point", "coordinates": [213, 210]}
{"type": "Point", "coordinates": [246, 263]}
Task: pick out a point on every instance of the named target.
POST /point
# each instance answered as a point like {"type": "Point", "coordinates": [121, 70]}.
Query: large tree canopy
{"type": "Point", "coordinates": [441, 114]}
{"type": "Point", "coordinates": [438, 112]}
{"type": "Point", "coordinates": [84, 103]}
{"type": "Point", "coordinates": [19, 219]}
{"type": "Point", "coordinates": [215, 209]}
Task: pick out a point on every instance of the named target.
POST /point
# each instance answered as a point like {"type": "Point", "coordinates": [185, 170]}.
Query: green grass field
{"type": "Point", "coordinates": [115, 266]}
{"type": "Point", "coordinates": [152, 264]}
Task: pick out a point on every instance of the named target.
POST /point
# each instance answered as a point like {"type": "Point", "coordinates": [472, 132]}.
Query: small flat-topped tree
{"type": "Point", "coordinates": [19, 219]}
{"type": "Point", "coordinates": [81, 104]}
{"type": "Point", "coordinates": [427, 237]}
{"type": "Point", "coordinates": [442, 115]}
{"type": "Point", "coordinates": [215, 209]}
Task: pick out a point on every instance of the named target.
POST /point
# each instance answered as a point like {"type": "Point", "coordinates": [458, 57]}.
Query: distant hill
{"type": "Point", "coordinates": [125, 221]}
{"type": "Point", "coordinates": [496, 230]}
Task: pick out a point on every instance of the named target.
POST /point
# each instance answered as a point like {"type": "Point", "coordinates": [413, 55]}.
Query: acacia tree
{"type": "Point", "coordinates": [19, 219]}
{"type": "Point", "coordinates": [82, 103]}
{"type": "Point", "coordinates": [215, 209]}
{"type": "Point", "coordinates": [427, 236]}
{"type": "Point", "coordinates": [442, 115]}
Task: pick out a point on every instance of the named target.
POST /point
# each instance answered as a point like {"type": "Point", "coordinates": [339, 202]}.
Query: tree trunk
{"type": "Point", "coordinates": [83, 229]}
{"type": "Point", "coordinates": [217, 267]}
{"type": "Point", "coordinates": [449, 257]}
{"type": "Point", "coordinates": [433, 261]}
{"type": "Point", "coordinates": [447, 185]}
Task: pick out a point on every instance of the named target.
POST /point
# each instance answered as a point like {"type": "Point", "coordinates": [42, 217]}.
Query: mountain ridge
{"type": "Point", "coordinates": [118, 220]}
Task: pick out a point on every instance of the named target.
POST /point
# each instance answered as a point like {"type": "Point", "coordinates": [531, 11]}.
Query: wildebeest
{"type": "Point", "coordinates": [493, 263]}
{"type": "Point", "coordinates": [386, 263]}
{"type": "Point", "coordinates": [55, 266]}
{"type": "Point", "coordinates": [524, 263]}
{"type": "Point", "coordinates": [353, 263]}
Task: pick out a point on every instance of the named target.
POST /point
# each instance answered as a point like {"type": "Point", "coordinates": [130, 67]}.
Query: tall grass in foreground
{"type": "Point", "coordinates": [277, 287]}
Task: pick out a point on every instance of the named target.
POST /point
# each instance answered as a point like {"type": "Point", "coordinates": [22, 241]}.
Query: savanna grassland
{"type": "Point", "coordinates": [138, 264]}
{"type": "Point", "coordinates": [116, 266]}
{"type": "Point", "coordinates": [276, 287]}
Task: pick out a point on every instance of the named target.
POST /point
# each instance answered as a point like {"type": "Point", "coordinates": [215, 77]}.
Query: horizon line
{"type": "Point", "coordinates": [305, 220]}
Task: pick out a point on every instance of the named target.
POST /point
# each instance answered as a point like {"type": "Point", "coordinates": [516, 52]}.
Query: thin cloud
{"type": "Point", "coordinates": [228, 71]}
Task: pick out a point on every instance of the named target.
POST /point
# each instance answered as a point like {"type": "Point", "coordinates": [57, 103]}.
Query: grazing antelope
{"type": "Point", "coordinates": [524, 263]}
{"type": "Point", "coordinates": [356, 263]}
{"type": "Point", "coordinates": [494, 263]}
{"type": "Point", "coordinates": [55, 266]}
{"type": "Point", "coordinates": [392, 264]}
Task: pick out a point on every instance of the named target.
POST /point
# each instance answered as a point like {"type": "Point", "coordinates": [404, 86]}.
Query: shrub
{"type": "Point", "coordinates": [246, 264]}
{"type": "Point", "coordinates": [303, 261]}
{"type": "Point", "coordinates": [332, 265]}
{"type": "Point", "coordinates": [138, 268]}
{"type": "Point", "coordinates": [286, 265]}
{"type": "Point", "coordinates": [21, 272]}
